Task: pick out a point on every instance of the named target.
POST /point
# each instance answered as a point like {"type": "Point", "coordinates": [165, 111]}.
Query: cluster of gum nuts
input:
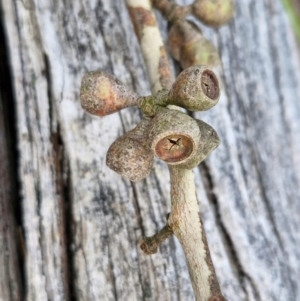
{"type": "Point", "coordinates": [210, 12]}
{"type": "Point", "coordinates": [168, 134]}
{"type": "Point", "coordinates": [186, 43]}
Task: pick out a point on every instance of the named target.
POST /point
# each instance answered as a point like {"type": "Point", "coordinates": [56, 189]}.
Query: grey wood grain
{"type": "Point", "coordinates": [10, 276]}
{"type": "Point", "coordinates": [83, 222]}
{"type": "Point", "coordinates": [10, 232]}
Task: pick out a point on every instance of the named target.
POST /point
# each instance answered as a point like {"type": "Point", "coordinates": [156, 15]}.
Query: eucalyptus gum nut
{"type": "Point", "coordinates": [130, 155]}
{"type": "Point", "coordinates": [208, 142]}
{"type": "Point", "coordinates": [195, 89]}
{"type": "Point", "coordinates": [176, 38]}
{"type": "Point", "coordinates": [173, 136]}
{"type": "Point", "coordinates": [213, 12]}
{"type": "Point", "coordinates": [180, 34]}
{"type": "Point", "coordinates": [199, 52]}
{"type": "Point", "coordinates": [188, 46]}
{"type": "Point", "coordinates": [103, 94]}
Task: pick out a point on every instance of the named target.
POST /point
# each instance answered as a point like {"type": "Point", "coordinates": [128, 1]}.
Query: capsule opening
{"type": "Point", "coordinates": [174, 148]}
{"type": "Point", "coordinates": [210, 84]}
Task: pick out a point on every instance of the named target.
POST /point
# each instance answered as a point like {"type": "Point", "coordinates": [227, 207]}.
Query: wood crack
{"type": "Point", "coordinates": [228, 243]}
{"type": "Point", "coordinates": [69, 234]}
{"type": "Point", "coordinates": [63, 189]}
{"type": "Point", "coordinates": [9, 194]}
{"type": "Point", "coordinates": [41, 231]}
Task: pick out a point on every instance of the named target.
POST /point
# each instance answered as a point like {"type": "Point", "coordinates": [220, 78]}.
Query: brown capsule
{"type": "Point", "coordinates": [103, 94]}
{"type": "Point", "coordinates": [196, 89]}
{"type": "Point", "coordinates": [130, 155]}
{"type": "Point", "coordinates": [173, 136]}
{"type": "Point", "coordinates": [213, 12]}
{"type": "Point", "coordinates": [208, 142]}
{"type": "Point", "coordinates": [188, 46]}
{"type": "Point", "coordinates": [177, 37]}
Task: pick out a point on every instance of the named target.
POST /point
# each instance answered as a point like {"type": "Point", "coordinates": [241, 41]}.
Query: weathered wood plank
{"type": "Point", "coordinates": [10, 267]}
{"type": "Point", "coordinates": [10, 277]}
{"type": "Point", "coordinates": [248, 188]}
{"type": "Point", "coordinates": [41, 210]}
{"type": "Point", "coordinates": [260, 161]}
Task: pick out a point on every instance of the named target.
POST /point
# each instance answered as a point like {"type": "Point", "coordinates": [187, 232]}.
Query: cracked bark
{"type": "Point", "coordinates": [82, 243]}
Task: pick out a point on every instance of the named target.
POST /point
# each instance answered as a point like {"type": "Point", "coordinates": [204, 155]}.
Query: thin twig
{"type": "Point", "coordinates": [150, 244]}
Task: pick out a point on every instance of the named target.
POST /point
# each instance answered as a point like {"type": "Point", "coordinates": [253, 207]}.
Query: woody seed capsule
{"type": "Point", "coordinates": [103, 94]}
{"type": "Point", "coordinates": [188, 46]}
{"type": "Point", "coordinates": [130, 155]}
{"type": "Point", "coordinates": [213, 12]}
{"type": "Point", "coordinates": [173, 136]}
{"type": "Point", "coordinates": [208, 142]}
{"type": "Point", "coordinates": [196, 89]}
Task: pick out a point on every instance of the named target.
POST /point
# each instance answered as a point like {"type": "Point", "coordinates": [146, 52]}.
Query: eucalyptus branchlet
{"type": "Point", "coordinates": [171, 135]}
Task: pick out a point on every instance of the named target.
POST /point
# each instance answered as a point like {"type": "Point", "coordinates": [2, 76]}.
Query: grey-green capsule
{"type": "Point", "coordinates": [195, 89]}
{"type": "Point", "coordinates": [130, 155]}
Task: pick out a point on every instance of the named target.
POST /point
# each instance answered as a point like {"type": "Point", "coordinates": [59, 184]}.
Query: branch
{"type": "Point", "coordinates": [184, 220]}
{"type": "Point", "coordinates": [150, 244]}
{"type": "Point", "coordinates": [153, 50]}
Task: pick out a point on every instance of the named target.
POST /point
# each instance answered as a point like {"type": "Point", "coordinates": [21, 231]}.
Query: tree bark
{"type": "Point", "coordinates": [82, 222]}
